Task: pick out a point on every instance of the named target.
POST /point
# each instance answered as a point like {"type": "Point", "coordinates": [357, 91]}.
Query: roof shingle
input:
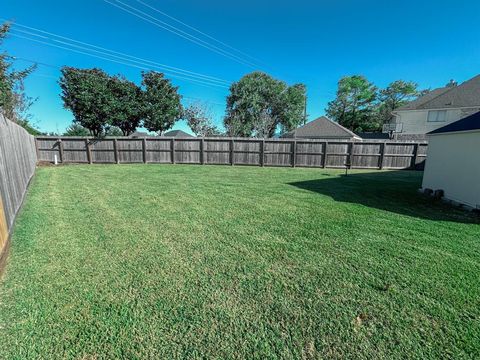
{"type": "Point", "coordinates": [466, 94]}
{"type": "Point", "coordinates": [322, 127]}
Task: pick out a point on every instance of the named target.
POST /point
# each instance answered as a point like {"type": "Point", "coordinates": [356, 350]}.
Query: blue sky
{"type": "Point", "coordinates": [313, 42]}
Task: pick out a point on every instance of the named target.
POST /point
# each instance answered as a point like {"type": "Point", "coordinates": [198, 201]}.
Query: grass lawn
{"type": "Point", "coordinates": [176, 261]}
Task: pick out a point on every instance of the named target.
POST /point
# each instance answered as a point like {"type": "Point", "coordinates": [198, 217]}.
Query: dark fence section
{"type": "Point", "coordinates": [17, 165]}
{"type": "Point", "coordinates": [235, 151]}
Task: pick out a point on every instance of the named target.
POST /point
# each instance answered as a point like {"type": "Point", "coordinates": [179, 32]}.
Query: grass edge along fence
{"type": "Point", "coordinates": [235, 151]}
{"type": "Point", "coordinates": [17, 165]}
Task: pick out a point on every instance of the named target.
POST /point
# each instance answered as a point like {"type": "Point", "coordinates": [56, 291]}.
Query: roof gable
{"type": "Point", "coordinates": [466, 94]}
{"type": "Point", "coordinates": [177, 133]}
{"type": "Point", "coordinates": [469, 123]}
{"type": "Point", "coordinates": [322, 127]}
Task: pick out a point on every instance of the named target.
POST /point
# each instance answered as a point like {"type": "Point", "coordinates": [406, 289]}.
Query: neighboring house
{"type": "Point", "coordinates": [177, 133]}
{"type": "Point", "coordinates": [436, 109]}
{"type": "Point", "coordinates": [322, 128]}
{"type": "Point", "coordinates": [453, 162]}
{"type": "Point", "coordinates": [139, 135]}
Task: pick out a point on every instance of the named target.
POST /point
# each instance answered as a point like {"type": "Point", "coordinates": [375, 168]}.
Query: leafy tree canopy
{"type": "Point", "coordinates": [13, 99]}
{"type": "Point", "coordinates": [396, 94]}
{"type": "Point", "coordinates": [86, 93]}
{"type": "Point", "coordinates": [354, 104]}
{"type": "Point", "coordinates": [125, 108]}
{"type": "Point", "coordinates": [258, 104]}
{"type": "Point", "coordinates": [161, 102]}
{"type": "Point", "coordinates": [360, 106]}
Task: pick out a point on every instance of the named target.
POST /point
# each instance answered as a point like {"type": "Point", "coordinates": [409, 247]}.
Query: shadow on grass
{"type": "Point", "coordinates": [393, 191]}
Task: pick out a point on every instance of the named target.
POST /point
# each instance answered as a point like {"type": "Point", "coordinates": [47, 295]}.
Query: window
{"type": "Point", "coordinates": [437, 115]}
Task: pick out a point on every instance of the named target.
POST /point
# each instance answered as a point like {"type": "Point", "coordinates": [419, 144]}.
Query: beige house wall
{"type": "Point", "coordinates": [453, 165]}
{"type": "Point", "coordinates": [415, 121]}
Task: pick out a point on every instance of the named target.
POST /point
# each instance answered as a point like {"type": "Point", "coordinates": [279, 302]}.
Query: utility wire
{"type": "Point", "coordinates": [221, 82]}
{"type": "Point", "coordinates": [197, 30]}
{"type": "Point", "coordinates": [163, 25]}
{"type": "Point", "coordinates": [119, 62]}
{"type": "Point", "coordinates": [130, 57]}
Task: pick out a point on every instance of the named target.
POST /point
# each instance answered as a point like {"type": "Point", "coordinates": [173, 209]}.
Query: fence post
{"type": "Point", "coordinates": [202, 151]}
{"type": "Point", "coordinates": [294, 153]}
{"type": "Point", "coordinates": [232, 151]}
{"type": "Point", "coordinates": [60, 146]}
{"type": "Point", "coordinates": [413, 164]}
{"type": "Point", "coordinates": [350, 155]}
{"type": "Point", "coordinates": [325, 154]}
{"type": "Point", "coordinates": [89, 151]}
{"type": "Point", "coordinates": [144, 150]}
{"type": "Point", "coordinates": [115, 151]}
{"type": "Point", "coordinates": [37, 150]}
{"type": "Point", "coordinates": [172, 150]}
{"type": "Point", "coordinates": [382, 155]}
{"type": "Point", "coordinates": [262, 153]}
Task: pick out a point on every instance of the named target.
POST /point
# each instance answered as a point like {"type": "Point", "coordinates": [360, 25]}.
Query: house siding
{"type": "Point", "coordinates": [415, 121]}
{"type": "Point", "coordinates": [453, 165]}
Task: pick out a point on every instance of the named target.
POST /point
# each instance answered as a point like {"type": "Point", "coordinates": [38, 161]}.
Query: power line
{"type": "Point", "coordinates": [119, 62]}
{"type": "Point", "coordinates": [221, 82]}
{"type": "Point", "coordinates": [196, 30]}
{"type": "Point", "coordinates": [60, 68]}
{"type": "Point", "coordinates": [118, 54]}
{"type": "Point", "coordinates": [163, 25]}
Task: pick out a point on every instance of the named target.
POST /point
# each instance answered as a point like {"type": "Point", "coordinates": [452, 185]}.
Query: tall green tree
{"type": "Point", "coordinates": [161, 102]}
{"type": "Point", "coordinates": [396, 94]}
{"type": "Point", "coordinates": [126, 108]}
{"type": "Point", "coordinates": [258, 104]}
{"type": "Point", "coordinates": [87, 94]}
{"type": "Point", "coordinates": [13, 99]}
{"type": "Point", "coordinates": [354, 104]}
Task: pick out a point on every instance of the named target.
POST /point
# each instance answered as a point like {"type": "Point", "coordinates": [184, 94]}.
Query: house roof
{"type": "Point", "coordinates": [139, 134]}
{"type": "Point", "coordinates": [177, 133]}
{"type": "Point", "coordinates": [322, 127]}
{"type": "Point", "coordinates": [469, 123]}
{"type": "Point", "coordinates": [464, 95]}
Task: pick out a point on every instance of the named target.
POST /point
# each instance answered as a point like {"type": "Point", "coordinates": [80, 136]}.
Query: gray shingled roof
{"type": "Point", "coordinates": [322, 127]}
{"type": "Point", "coordinates": [466, 94]}
{"type": "Point", "coordinates": [177, 133]}
{"type": "Point", "coordinates": [469, 123]}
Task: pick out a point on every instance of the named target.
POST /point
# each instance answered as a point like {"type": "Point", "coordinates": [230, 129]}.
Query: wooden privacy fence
{"type": "Point", "coordinates": [235, 151]}
{"type": "Point", "coordinates": [17, 166]}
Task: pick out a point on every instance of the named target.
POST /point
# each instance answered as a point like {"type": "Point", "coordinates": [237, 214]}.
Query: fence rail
{"type": "Point", "coordinates": [235, 151]}
{"type": "Point", "coordinates": [17, 165]}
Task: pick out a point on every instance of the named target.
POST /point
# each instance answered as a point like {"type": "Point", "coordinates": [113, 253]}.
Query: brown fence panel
{"type": "Point", "coordinates": [330, 153]}
{"type": "Point", "coordinates": [159, 151]}
{"type": "Point", "coordinates": [17, 165]}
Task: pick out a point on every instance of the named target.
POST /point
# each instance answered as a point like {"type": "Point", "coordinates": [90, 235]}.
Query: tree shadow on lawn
{"type": "Point", "coordinates": [393, 191]}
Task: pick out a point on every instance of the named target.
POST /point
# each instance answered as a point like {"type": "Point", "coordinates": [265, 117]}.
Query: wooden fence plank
{"type": "Point", "coordinates": [88, 149]}
{"type": "Point", "coordinates": [115, 151]}
{"type": "Point", "coordinates": [294, 153]}
{"type": "Point", "coordinates": [144, 150]}
{"type": "Point", "coordinates": [262, 153]}
{"type": "Point", "coordinates": [60, 146]}
{"type": "Point", "coordinates": [382, 156]}
{"type": "Point", "coordinates": [18, 158]}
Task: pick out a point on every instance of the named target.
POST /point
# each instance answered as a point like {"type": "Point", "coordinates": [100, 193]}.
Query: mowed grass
{"type": "Point", "coordinates": [176, 261]}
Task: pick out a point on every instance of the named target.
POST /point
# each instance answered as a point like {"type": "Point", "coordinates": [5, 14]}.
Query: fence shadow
{"type": "Point", "coordinates": [393, 191]}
